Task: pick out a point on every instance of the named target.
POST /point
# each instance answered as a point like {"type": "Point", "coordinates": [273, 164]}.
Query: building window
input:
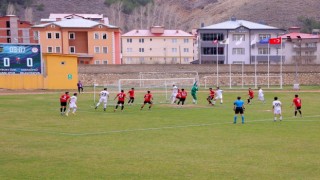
{"type": "Point", "coordinates": [105, 50]}
{"type": "Point", "coordinates": [212, 36]}
{"type": "Point", "coordinates": [186, 60]}
{"type": "Point", "coordinates": [174, 60]}
{"type": "Point", "coordinates": [141, 59]}
{"type": "Point", "coordinates": [50, 49]}
{"type": "Point", "coordinates": [212, 50]}
{"type": "Point", "coordinates": [49, 35]}
{"type": "Point", "coordinates": [52, 26]}
{"type": "Point", "coordinates": [174, 50]}
{"type": "Point", "coordinates": [105, 61]}
{"type": "Point", "coordinates": [104, 36]}
{"type": "Point", "coordinates": [100, 26]}
{"type": "Point", "coordinates": [264, 36]}
{"type": "Point", "coordinates": [141, 49]}
{"type": "Point", "coordinates": [72, 35]}
{"type": "Point", "coordinates": [185, 50]}
{"type": "Point", "coordinates": [58, 49]}
{"type": "Point", "coordinates": [150, 49]}
{"type": "Point", "coordinates": [57, 35]}
{"type": "Point", "coordinates": [72, 49]}
{"type": "Point", "coordinates": [141, 40]}
{"type": "Point", "coordinates": [164, 49]}
{"type": "Point", "coordinates": [129, 49]}
{"type": "Point", "coordinates": [186, 40]}
{"type": "Point", "coordinates": [263, 51]}
{"type": "Point", "coordinates": [150, 39]}
{"type": "Point", "coordinates": [238, 37]}
{"type": "Point", "coordinates": [311, 44]}
{"type": "Point", "coordinates": [174, 40]}
{"type": "Point", "coordinates": [97, 62]}
{"type": "Point", "coordinates": [96, 49]}
{"type": "Point", "coordinates": [96, 36]}
{"type": "Point", "coordinates": [238, 51]}
{"type": "Point", "coordinates": [129, 60]}
{"type": "Point", "coordinates": [129, 40]}
{"type": "Point", "coordinates": [36, 35]}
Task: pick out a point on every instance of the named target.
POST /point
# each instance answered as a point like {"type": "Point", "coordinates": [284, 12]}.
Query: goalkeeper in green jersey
{"type": "Point", "coordinates": [194, 93]}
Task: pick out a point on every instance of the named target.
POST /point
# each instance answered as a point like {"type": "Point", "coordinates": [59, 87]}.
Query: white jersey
{"type": "Point", "coordinates": [261, 92]}
{"type": "Point", "coordinates": [73, 101]}
{"type": "Point", "coordinates": [104, 94]}
{"type": "Point", "coordinates": [219, 93]}
{"type": "Point", "coordinates": [174, 90]}
{"type": "Point", "coordinates": [276, 107]}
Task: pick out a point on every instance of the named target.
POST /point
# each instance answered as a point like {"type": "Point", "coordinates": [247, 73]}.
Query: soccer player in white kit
{"type": "Point", "coordinates": [174, 93]}
{"type": "Point", "coordinates": [218, 95]}
{"type": "Point", "coordinates": [104, 95]}
{"type": "Point", "coordinates": [276, 106]}
{"type": "Point", "coordinates": [72, 104]}
{"type": "Point", "coordinates": [261, 95]}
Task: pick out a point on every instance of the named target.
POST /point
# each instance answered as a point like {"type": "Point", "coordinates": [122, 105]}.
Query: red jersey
{"type": "Point", "coordinates": [148, 97]}
{"type": "Point", "coordinates": [131, 93]}
{"type": "Point", "coordinates": [64, 98]}
{"type": "Point", "coordinates": [211, 93]}
{"type": "Point", "coordinates": [297, 102]}
{"type": "Point", "coordinates": [183, 94]}
{"type": "Point", "coordinates": [121, 96]}
{"type": "Point", "coordinates": [251, 93]}
{"type": "Point", "coordinates": [178, 94]}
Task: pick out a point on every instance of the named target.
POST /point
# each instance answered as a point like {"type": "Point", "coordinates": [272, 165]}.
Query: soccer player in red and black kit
{"type": "Point", "coordinates": [297, 103]}
{"type": "Point", "coordinates": [147, 100]}
{"type": "Point", "coordinates": [211, 96]}
{"type": "Point", "coordinates": [63, 102]}
{"type": "Point", "coordinates": [183, 95]}
{"type": "Point", "coordinates": [131, 96]}
{"type": "Point", "coordinates": [121, 97]}
{"type": "Point", "coordinates": [251, 95]}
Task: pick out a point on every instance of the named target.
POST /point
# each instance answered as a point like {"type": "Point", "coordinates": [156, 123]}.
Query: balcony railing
{"type": "Point", "coordinates": [298, 49]}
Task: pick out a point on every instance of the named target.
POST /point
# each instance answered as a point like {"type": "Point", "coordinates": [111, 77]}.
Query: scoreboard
{"type": "Point", "coordinates": [20, 59]}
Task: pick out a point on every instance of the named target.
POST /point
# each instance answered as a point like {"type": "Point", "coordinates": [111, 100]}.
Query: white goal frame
{"type": "Point", "coordinates": [169, 80]}
{"type": "Point", "coordinates": [196, 74]}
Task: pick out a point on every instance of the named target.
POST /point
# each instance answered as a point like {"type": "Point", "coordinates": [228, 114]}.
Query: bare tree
{"type": "Point", "coordinates": [28, 14]}
{"type": "Point", "coordinates": [11, 10]}
{"type": "Point", "coordinates": [142, 11]}
{"type": "Point", "coordinates": [119, 9]}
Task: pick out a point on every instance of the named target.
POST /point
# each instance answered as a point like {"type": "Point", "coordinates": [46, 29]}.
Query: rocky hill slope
{"type": "Point", "coordinates": [188, 14]}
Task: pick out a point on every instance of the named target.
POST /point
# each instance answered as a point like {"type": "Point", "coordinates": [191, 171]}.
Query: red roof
{"type": "Point", "coordinates": [166, 33]}
{"type": "Point", "coordinates": [302, 35]}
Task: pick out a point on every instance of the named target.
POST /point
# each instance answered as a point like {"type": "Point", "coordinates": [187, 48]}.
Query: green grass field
{"type": "Point", "coordinates": [192, 142]}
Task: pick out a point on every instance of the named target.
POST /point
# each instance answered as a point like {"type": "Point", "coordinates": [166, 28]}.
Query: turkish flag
{"type": "Point", "coordinates": [275, 41]}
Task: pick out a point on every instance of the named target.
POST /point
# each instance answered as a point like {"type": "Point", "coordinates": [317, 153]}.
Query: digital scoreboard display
{"type": "Point", "coordinates": [20, 59]}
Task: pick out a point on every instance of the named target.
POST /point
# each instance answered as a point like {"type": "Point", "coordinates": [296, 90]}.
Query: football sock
{"type": "Point", "coordinates": [64, 109]}
{"type": "Point", "coordinates": [295, 113]}
{"type": "Point", "coordinates": [60, 109]}
{"type": "Point", "coordinates": [275, 118]}
{"type": "Point", "coordinates": [122, 107]}
{"type": "Point", "coordinates": [235, 119]}
{"type": "Point", "coordinates": [280, 118]}
{"type": "Point", "coordinates": [242, 118]}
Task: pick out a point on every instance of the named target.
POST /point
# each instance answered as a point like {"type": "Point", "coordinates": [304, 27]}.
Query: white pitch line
{"type": "Point", "coordinates": [293, 119]}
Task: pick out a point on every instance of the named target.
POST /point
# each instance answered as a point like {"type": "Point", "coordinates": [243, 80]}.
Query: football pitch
{"type": "Point", "coordinates": [167, 142]}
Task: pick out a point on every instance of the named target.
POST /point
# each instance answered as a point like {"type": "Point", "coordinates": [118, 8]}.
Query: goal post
{"type": "Point", "coordinates": [161, 87]}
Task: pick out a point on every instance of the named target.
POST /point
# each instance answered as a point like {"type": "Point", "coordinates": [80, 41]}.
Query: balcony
{"type": "Point", "coordinates": [298, 49]}
{"type": "Point", "coordinates": [304, 59]}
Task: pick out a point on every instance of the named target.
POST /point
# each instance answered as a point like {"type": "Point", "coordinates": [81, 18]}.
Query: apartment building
{"type": "Point", "coordinates": [13, 30]}
{"type": "Point", "coordinates": [157, 46]}
{"type": "Point", "coordinates": [301, 48]}
{"type": "Point", "coordinates": [238, 41]}
{"type": "Point", "coordinates": [94, 42]}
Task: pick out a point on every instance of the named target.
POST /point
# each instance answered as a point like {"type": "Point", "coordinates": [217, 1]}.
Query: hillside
{"type": "Point", "coordinates": [187, 14]}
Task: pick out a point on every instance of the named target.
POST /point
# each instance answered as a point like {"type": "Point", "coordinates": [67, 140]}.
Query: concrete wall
{"type": "Point", "coordinates": [109, 74]}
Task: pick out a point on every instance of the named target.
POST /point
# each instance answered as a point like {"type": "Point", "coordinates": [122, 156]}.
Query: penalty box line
{"type": "Point", "coordinates": [292, 119]}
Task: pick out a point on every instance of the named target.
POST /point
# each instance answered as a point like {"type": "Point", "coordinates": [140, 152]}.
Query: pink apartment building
{"type": "Point", "coordinates": [157, 46]}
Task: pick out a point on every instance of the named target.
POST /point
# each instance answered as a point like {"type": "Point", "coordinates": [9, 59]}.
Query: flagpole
{"type": "Point", "coordinates": [281, 64]}
{"type": "Point", "coordinates": [230, 75]}
{"type": "Point", "coordinates": [217, 66]}
{"type": "Point", "coordinates": [255, 71]}
{"type": "Point", "coordinates": [268, 65]}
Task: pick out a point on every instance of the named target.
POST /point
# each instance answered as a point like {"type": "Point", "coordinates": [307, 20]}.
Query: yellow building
{"type": "Point", "coordinates": [59, 72]}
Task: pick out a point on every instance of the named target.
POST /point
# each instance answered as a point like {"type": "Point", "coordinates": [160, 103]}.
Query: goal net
{"type": "Point", "coordinates": [169, 74]}
{"type": "Point", "coordinates": [160, 88]}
